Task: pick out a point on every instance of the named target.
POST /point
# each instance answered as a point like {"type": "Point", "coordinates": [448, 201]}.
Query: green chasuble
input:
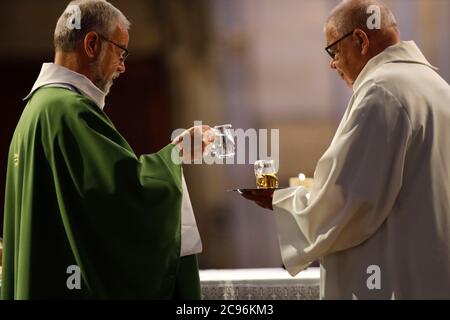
{"type": "Point", "coordinates": [78, 197]}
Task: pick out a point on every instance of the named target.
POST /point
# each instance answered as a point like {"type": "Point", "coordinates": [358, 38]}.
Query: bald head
{"type": "Point", "coordinates": [357, 31]}
{"type": "Point", "coordinates": [352, 14]}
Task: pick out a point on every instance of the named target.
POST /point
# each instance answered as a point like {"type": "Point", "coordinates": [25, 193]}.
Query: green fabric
{"type": "Point", "coordinates": [76, 194]}
{"type": "Point", "coordinates": [187, 285]}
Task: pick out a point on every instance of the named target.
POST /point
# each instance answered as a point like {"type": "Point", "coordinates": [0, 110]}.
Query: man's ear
{"type": "Point", "coordinates": [92, 45]}
{"type": "Point", "coordinates": [363, 40]}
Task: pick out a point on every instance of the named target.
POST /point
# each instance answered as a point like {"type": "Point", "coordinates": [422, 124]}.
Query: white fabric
{"type": "Point", "coordinates": [381, 190]}
{"type": "Point", "coordinates": [52, 74]}
{"type": "Point", "coordinates": [55, 75]}
{"type": "Point", "coordinates": [190, 237]}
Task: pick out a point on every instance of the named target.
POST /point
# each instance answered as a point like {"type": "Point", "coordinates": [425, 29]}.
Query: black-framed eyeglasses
{"type": "Point", "coordinates": [330, 51]}
{"type": "Point", "coordinates": [125, 52]}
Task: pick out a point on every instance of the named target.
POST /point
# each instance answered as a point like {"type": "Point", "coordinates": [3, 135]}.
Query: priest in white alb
{"type": "Point", "coordinates": [378, 215]}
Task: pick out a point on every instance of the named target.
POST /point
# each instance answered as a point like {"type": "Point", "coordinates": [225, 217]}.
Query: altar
{"type": "Point", "coordinates": [259, 284]}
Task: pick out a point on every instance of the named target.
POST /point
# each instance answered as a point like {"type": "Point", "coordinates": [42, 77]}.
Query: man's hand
{"type": "Point", "coordinates": [262, 197]}
{"type": "Point", "coordinates": [194, 143]}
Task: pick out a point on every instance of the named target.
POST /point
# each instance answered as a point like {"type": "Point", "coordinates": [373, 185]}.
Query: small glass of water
{"type": "Point", "coordinates": [223, 145]}
{"type": "Point", "coordinates": [266, 174]}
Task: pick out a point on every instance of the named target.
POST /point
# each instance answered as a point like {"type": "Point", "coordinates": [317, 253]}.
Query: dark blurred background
{"type": "Point", "coordinates": [252, 63]}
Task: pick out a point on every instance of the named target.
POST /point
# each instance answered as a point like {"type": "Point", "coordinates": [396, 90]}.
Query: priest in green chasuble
{"type": "Point", "coordinates": [85, 218]}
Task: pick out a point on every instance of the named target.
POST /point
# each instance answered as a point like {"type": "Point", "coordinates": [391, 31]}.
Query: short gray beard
{"type": "Point", "coordinates": [98, 79]}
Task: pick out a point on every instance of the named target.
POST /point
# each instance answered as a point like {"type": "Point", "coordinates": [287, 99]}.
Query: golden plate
{"type": "Point", "coordinates": [254, 192]}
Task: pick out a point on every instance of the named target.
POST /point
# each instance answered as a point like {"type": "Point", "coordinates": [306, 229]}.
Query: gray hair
{"type": "Point", "coordinates": [352, 14]}
{"type": "Point", "coordinates": [94, 15]}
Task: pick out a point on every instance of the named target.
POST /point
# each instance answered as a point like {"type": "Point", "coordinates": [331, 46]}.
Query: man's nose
{"type": "Point", "coordinates": [333, 64]}
{"type": "Point", "coordinates": [121, 67]}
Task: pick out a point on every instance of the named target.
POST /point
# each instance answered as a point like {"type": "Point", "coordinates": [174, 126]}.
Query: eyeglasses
{"type": "Point", "coordinates": [125, 52]}
{"type": "Point", "coordinates": [330, 51]}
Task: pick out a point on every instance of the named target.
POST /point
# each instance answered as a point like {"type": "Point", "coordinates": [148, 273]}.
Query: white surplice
{"type": "Point", "coordinates": [378, 216]}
